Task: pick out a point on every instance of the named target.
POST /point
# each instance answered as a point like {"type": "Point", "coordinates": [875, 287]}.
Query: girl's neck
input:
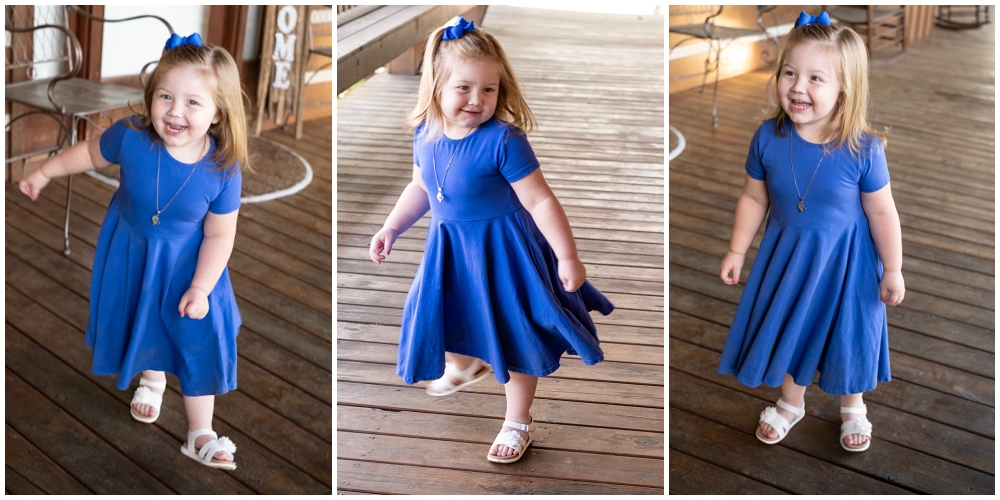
{"type": "Point", "coordinates": [457, 133]}
{"type": "Point", "coordinates": [819, 134]}
{"type": "Point", "coordinates": [189, 154]}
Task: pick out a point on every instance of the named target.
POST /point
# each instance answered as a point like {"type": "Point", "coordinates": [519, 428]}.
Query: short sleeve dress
{"type": "Point", "coordinates": [141, 270]}
{"type": "Point", "coordinates": [811, 302]}
{"type": "Point", "coordinates": [488, 285]}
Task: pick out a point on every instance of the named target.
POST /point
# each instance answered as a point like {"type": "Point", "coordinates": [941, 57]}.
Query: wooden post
{"type": "Point", "coordinates": [266, 65]}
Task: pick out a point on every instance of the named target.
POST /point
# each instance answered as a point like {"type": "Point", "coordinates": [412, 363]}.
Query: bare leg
{"type": "Point", "coordinates": [461, 363]}
{"type": "Point", "coordinates": [199, 413]}
{"type": "Point", "coordinates": [852, 400]}
{"type": "Point", "coordinates": [792, 394]}
{"type": "Point", "coordinates": [520, 393]}
{"type": "Point", "coordinates": [152, 376]}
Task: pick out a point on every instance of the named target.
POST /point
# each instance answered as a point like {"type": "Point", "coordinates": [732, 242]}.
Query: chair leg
{"type": "Point", "coordinates": [69, 191]}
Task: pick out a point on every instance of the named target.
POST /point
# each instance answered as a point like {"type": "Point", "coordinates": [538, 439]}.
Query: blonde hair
{"type": "Point", "coordinates": [440, 56]}
{"type": "Point", "coordinates": [849, 124]}
{"type": "Point", "coordinates": [223, 78]}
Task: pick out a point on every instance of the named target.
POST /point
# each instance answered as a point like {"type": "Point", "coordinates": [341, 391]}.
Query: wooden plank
{"type": "Point", "coordinates": [36, 469]}
{"type": "Point", "coordinates": [469, 404]}
{"type": "Point", "coordinates": [554, 436]}
{"type": "Point", "coordinates": [400, 479]}
{"type": "Point", "coordinates": [690, 476]}
{"type": "Point", "coordinates": [96, 464]}
{"type": "Point", "coordinates": [551, 387]}
{"type": "Point", "coordinates": [571, 466]}
{"type": "Point", "coordinates": [16, 484]}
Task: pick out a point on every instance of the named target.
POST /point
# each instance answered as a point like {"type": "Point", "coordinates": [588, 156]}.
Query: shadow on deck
{"type": "Point", "coordinates": [69, 431]}
{"type": "Point", "coordinates": [595, 83]}
{"type": "Point", "coordinates": [934, 423]}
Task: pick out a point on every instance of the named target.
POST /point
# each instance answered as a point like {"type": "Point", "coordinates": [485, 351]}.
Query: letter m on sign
{"type": "Point", "coordinates": [284, 49]}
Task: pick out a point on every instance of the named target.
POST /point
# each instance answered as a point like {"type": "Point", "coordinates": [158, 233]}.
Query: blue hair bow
{"type": "Point", "coordinates": [177, 40]}
{"type": "Point", "coordinates": [805, 19]}
{"type": "Point", "coordinates": [456, 31]}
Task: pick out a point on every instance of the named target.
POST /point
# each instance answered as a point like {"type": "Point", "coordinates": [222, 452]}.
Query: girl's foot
{"type": "Point", "coordinates": [506, 451]}
{"type": "Point", "coordinates": [769, 431]}
{"type": "Point", "coordinates": [455, 379]}
{"type": "Point", "coordinates": [220, 455]}
{"type": "Point", "coordinates": [854, 440]}
{"type": "Point", "coordinates": [148, 397]}
{"type": "Point", "coordinates": [512, 441]}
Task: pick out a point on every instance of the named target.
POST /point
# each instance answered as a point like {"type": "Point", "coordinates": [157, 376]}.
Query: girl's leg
{"type": "Point", "coordinates": [852, 400]}
{"type": "Point", "coordinates": [199, 413]}
{"type": "Point", "coordinates": [461, 363]}
{"type": "Point", "coordinates": [520, 393]}
{"type": "Point", "coordinates": [152, 376]}
{"type": "Point", "coordinates": [792, 394]}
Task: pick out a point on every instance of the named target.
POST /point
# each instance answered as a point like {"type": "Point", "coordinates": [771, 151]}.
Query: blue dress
{"type": "Point", "coordinates": [811, 302]}
{"type": "Point", "coordinates": [141, 270]}
{"type": "Point", "coordinates": [487, 285]}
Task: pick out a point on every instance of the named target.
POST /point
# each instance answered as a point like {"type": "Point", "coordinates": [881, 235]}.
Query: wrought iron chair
{"type": "Point", "coordinates": [718, 37]}
{"type": "Point", "coordinates": [319, 25]}
{"type": "Point", "coordinates": [42, 76]}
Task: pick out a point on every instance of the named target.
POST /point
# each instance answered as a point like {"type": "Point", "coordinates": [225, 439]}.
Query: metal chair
{"type": "Point", "coordinates": [40, 45]}
{"type": "Point", "coordinates": [319, 26]}
{"type": "Point", "coordinates": [962, 17]}
{"type": "Point", "coordinates": [718, 37]}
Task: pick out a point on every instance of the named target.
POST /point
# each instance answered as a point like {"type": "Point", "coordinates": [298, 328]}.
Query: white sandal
{"type": "Point", "coordinates": [857, 426]}
{"type": "Point", "coordinates": [144, 396]}
{"type": "Point", "coordinates": [444, 385]}
{"type": "Point", "coordinates": [512, 439]}
{"type": "Point", "coordinates": [770, 416]}
{"type": "Point", "coordinates": [206, 455]}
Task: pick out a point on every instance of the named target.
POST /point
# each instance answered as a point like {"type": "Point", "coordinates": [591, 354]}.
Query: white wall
{"type": "Point", "coordinates": [130, 45]}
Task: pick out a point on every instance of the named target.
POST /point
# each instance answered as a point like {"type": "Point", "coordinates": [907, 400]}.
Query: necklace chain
{"type": "Point", "coordinates": [156, 218]}
{"type": "Point", "coordinates": [802, 197]}
{"type": "Point", "coordinates": [440, 185]}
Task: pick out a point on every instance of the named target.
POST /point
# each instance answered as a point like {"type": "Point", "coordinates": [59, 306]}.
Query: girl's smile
{"type": "Point", "coordinates": [469, 96]}
{"type": "Point", "coordinates": [809, 89]}
{"type": "Point", "coordinates": [183, 110]}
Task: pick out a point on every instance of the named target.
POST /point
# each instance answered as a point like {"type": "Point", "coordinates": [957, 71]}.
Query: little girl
{"type": "Point", "coordinates": [160, 295]}
{"type": "Point", "coordinates": [500, 284]}
{"type": "Point", "coordinates": [815, 298]}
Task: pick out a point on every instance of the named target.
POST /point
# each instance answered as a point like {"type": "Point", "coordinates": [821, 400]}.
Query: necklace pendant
{"type": "Point", "coordinates": [802, 206]}
{"type": "Point", "coordinates": [440, 196]}
{"type": "Point", "coordinates": [156, 220]}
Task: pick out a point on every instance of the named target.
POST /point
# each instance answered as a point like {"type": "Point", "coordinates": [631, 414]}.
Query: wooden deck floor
{"type": "Point", "coordinates": [69, 431]}
{"type": "Point", "coordinates": [934, 423]}
{"type": "Point", "coordinates": [600, 428]}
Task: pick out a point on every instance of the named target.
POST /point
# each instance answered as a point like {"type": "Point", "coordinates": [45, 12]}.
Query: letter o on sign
{"type": "Point", "coordinates": [287, 18]}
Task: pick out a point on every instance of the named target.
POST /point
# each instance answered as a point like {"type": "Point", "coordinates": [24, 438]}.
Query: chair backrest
{"type": "Point", "coordinates": [39, 43]}
{"type": "Point", "coordinates": [320, 27]}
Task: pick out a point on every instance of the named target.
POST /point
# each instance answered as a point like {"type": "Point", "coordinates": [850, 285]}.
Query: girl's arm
{"type": "Point", "coordinates": [750, 211]}
{"type": "Point", "coordinates": [81, 157]}
{"type": "Point", "coordinates": [884, 223]}
{"type": "Point", "coordinates": [412, 205]}
{"type": "Point", "coordinates": [538, 199]}
{"type": "Point", "coordinates": [216, 247]}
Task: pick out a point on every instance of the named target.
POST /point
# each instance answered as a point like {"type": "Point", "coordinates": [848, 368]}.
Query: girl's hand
{"type": "Point", "coordinates": [732, 263]}
{"type": "Point", "coordinates": [572, 274]}
{"type": "Point", "coordinates": [892, 288]}
{"type": "Point", "coordinates": [194, 303]}
{"type": "Point", "coordinates": [33, 183]}
{"type": "Point", "coordinates": [382, 241]}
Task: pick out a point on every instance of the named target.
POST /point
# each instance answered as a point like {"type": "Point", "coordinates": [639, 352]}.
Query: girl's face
{"type": "Point", "coordinates": [468, 97]}
{"type": "Point", "coordinates": [183, 110]}
{"type": "Point", "coordinates": [808, 89]}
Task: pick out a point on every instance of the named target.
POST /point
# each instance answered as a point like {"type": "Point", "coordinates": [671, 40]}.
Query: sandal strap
{"type": "Point", "coordinates": [152, 383]}
{"type": "Point", "coordinates": [797, 410]}
{"type": "Point", "coordinates": [463, 375]}
{"type": "Point", "coordinates": [770, 416]}
{"type": "Point", "coordinates": [192, 435]}
{"type": "Point", "coordinates": [510, 439]}
{"type": "Point", "coordinates": [529, 427]}
{"type": "Point", "coordinates": [144, 396]}
{"type": "Point", "coordinates": [862, 410]}
{"type": "Point", "coordinates": [216, 445]}
{"type": "Point", "coordinates": [857, 426]}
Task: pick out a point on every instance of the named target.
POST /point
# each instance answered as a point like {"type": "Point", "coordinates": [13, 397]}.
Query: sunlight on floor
{"type": "Point", "coordinates": [642, 8]}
